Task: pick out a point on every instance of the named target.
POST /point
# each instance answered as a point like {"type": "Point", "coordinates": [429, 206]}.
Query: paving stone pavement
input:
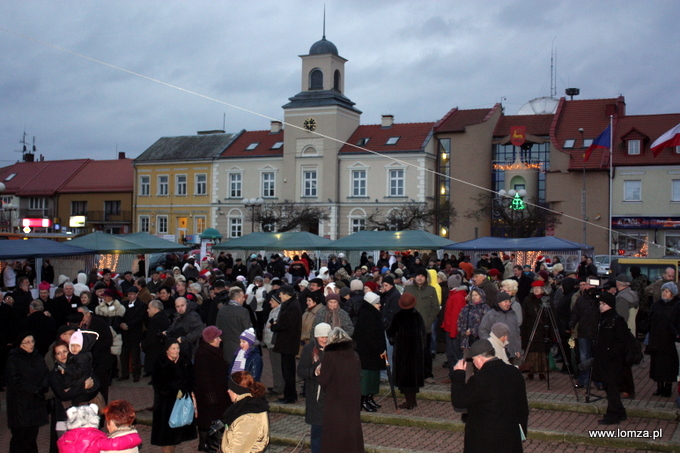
{"type": "Point", "coordinates": [434, 405]}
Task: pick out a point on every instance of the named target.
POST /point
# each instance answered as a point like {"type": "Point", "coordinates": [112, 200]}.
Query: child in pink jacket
{"type": "Point", "coordinates": [83, 435]}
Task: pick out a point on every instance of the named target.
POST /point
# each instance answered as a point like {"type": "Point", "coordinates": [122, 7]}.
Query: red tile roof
{"type": "Point", "coordinates": [412, 137]}
{"type": "Point", "coordinates": [264, 139]}
{"type": "Point", "coordinates": [457, 120]}
{"type": "Point", "coordinates": [647, 128]}
{"type": "Point", "coordinates": [42, 179]}
{"type": "Point", "coordinates": [23, 174]}
{"type": "Point", "coordinates": [593, 116]}
{"type": "Point", "coordinates": [102, 176]}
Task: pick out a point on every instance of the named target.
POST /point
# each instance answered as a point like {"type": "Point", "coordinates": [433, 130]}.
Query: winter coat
{"type": "Point", "coordinates": [310, 359]}
{"type": "Point", "coordinates": [427, 303]}
{"type": "Point", "coordinates": [470, 317]}
{"type": "Point", "coordinates": [542, 338]}
{"type": "Point", "coordinates": [267, 334]}
{"type": "Point", "coordinates": [189, 327]}
{"type": "Point", "coordinates": [389, 302]}
{"type": "Point", "coordinates": [92, 440]}
{"type": "Point", "coordinates": [134, 319]}
{"type": "Point", "coordinates": [369, 337]}
{"type": "Point", "coordinates": [247, 422]}
{"type": "Point", "coordinates": [324, 315]}
{"type": "Point", "coordinates": [212, 375]}
{"type": "Point", "coordinates": [340, 379]}
{"type": "Point", "coordinates": [44, 330]}
{"type": "Point", "coordinates": [407, 334]}
{"type": "Point", "coordinates": [491, 291]}
{"type": "Point", "coordinates": [610, 348]}
{"type": "Point", "coordinates": [168, 378]}
{"type": "Point", "coordinates": [454, 305]}
{"type": "Point", "coordinates": [26, 377]}
{"type": "Point", "coordinates": [353, 304]}
{"type": "Point", "coordinates": [232, 319]}
{"type": "Point", "coordinates": [508, 318]}
{"type": "Point", "coordinates": [585, 313]}
{"type": "Point", "coordinates": [308, 322]}
{"type": "Point", "coordinates": [288, 328]}
{"type": "Point", "coordinates": [253, 362]}
{"type": "Point", "coordinates": [495, 411]}
{"type": "Point", "coordinates": [152, 344]}
{"type": "Point", "coordinates": [123, 432]}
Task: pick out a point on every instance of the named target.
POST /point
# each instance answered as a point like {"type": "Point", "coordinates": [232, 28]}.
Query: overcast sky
{"type": "Point", "coordinates": [413, 59]}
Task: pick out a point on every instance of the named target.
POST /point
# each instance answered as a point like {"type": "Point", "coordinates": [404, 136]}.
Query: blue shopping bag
{"type": "Point", "coordinates": [182, 412]}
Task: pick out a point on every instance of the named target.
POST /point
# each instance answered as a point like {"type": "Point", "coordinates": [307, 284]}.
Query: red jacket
{"type": "Point", "coordinates": [91, 440]}
{"type": "Point", "coordinates": [454, 304]}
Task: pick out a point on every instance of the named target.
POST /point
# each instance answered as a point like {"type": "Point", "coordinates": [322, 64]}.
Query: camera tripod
{"type": "Point", "coordinates": [545, 307]}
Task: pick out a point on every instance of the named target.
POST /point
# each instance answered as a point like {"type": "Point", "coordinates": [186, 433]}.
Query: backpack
{"type": "Point", "coordinates": [633, 350]}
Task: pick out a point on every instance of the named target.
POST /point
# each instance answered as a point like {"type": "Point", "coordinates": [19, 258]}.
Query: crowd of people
{"type": "Point", "coordinates": [198, 329]}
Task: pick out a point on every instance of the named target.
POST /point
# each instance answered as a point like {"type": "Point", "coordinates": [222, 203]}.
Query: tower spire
{"type": "Point", "coordinates": [324, 21]}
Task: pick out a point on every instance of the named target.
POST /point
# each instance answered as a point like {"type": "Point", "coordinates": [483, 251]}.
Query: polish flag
{"type": "Point", "coordinates": [667, 140]}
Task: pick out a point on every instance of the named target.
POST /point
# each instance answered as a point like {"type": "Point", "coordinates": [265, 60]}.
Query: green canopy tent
{"type": "Point", "coordinates": [390, 240]}
{"type": "Point", "coordinates": [301, 240]}
{"type": "Point", "coordinates": [104, 243]}
{"type": "Point", "coordinates": [252, 241]}
{"type": "Point", "coordinates": [150, 241]}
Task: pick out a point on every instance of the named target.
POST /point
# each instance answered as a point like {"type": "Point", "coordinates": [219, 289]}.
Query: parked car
{"type": "Point", "coordinates": [602, 263]}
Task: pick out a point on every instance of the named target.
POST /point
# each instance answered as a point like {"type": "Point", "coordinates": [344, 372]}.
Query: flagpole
{"type": "Point", "coordinates": [611, 178]}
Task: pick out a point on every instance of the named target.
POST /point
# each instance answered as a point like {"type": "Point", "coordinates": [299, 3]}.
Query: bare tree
{"type": "Point", "coordinates": [508, 221]}
{"type": "Point", "coordinates": [410, 216]}
{"type": "Point", "coordinates": [287, 216]}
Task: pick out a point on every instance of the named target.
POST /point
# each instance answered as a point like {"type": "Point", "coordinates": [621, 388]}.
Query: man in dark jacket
{"type": "Point", "coordinates": [481, 280]}
{"type": "Point", "coordinates": [428, 306]}
{"type": "Point", "coordinates": [238, 269]}
{"type": "Point", "coordinates": [523, 283]}
{"type": "Point", "coordinates": [610, 356]}
{"type": "Point", "coordinates": [152, 344]}
{"type": "Point", "coordinates": [584, 316]}
{"type": "Point", "coordinates": [43, 327]}
{"type": "Point", "coordinates": [389, 300]}
{"type": "Point", "coordinates": [132, 330]}
{"type": "Point", "coordinates": [232, 319]}
{"type": "Point", "coordinates": [288, 328]}
{"type": "Point", "coordinates": [496, 401]}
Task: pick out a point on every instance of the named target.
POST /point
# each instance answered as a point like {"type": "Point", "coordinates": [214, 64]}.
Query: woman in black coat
{"type": "Point", "coordinates": [369, 335]}
{"type": "Point", "coordinates": [407, 334]}
{"type": "Point", "coordinates": [663, 368]}
{"type": "Point", "coordinates": [172, 372]}
{"type": "Point", "coordinates": [26, 378]}
{"type": "Point", "coordinates": [212, 375]}
{"type": "Point", "coordinates": [536, 360]}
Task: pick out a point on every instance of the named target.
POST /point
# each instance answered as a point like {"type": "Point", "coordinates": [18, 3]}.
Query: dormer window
{"type": "Point", "coordinates": [277, 145]}
{"type": "Point", "coordinates": [587, 142]}
{"type": "Point", "coordinates": [569, 143]}
{"type": "Point", "coordinates": [633, 147]}
{"type": "Point", "coordinates": [363, 141]}
{"type": "Point", "coordinates": [392, 140]}
{"type": "Point", "coordinates": [9, 178]}
{"type": "Point", "coordinates": [252, 146]}
{"type": "Point", "coordinates": [316, 79]}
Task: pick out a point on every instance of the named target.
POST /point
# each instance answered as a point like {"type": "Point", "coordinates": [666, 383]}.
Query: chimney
{"type": "Point", "coordinates": [121, 155]}
{"type": "Point", "coordinates": [276, 127]}
{"type": "Point", "coordinates": [387, 121]}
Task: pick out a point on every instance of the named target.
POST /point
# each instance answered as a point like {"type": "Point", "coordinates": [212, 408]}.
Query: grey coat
{"type": "Point", "coordinates": [508, 318]}
{"type": "Point", "coordinates": [232, 319]}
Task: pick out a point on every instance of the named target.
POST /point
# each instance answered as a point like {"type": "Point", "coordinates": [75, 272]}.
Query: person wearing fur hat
{"type": "Point", "coordinates": [339, 377]}
{"type": "Point", "coordinates": [248, 357]}
{"type": "Point", "coordinates": [454, 304]}
{"type": "Point", "coordinates": [663, 368]}
{"type": "Point", "coordinates": [315, 302]}
{"type": "Point", "coordinates": [369, 336]}
{"type": "Point", "coordinates": [212, 375]}
{"type": "Point", "coordinates": [83, 434]}
{"type": "Point", "coordinates": [26, 377]}
{"type": "Point", "coordinates": [310, 360]}
{"type": "Point", "coordinates": [407, 334]}
{"type": "Point", "coordinates": [334, 315]}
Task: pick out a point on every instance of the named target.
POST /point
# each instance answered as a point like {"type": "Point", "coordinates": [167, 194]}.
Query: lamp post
{"type": "Point", "coordinates": [252, 203]}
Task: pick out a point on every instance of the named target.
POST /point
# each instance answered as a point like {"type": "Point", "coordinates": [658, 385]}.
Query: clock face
{"type": "Point", "coordinates": [310, 124]}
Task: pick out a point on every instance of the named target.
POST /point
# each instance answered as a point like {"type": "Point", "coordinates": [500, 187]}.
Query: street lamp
{"type": "Point", "coordinates": [252, 203]}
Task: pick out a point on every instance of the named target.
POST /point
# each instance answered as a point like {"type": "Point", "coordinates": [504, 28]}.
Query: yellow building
{"type": "Point", "coordinates": [173, 185]}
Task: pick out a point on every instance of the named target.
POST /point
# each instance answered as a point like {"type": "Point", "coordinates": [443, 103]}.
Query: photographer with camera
{"type": "Point", "coordinates": [585, 316]}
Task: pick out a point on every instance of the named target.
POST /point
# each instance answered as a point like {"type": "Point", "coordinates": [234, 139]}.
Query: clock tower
{"type": "Point", "coordinates": [325, 118]}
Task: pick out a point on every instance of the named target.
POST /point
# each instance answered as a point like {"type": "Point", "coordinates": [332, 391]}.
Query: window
{"type": "Point", "coordinates": [162, 224]}
{"type": "Point", "coordinates": [672, 244]}
{"type": "Point", "coordinates": [587, 142]}
{"type": "Point", "coordinates": [268, 185]}
{"type": "Point", "coordinates": [676, 190]}
{"type": "Point", "coordinates": [277, 145]}
{"type": "Point", "coordinates": [78, 207]}
{"type": "Point", "coordinates": [181, 184]}
{"type": "Point", "coordinates": [316, 79]}
{"type": "Point", "coordinates": [632, 190]}
{"type": "Point", "coordinates": [252, 146]}
{"type": "Point", "coordinates": [363, 141]}
{"type": "Point", "coordinates": [396, 183]}
{"type": "Point", "coordinates": [163, 185]}
{"type": "Point", "coordinates": [36, 203]}
{"type": "Point", "coordinates": [336, 81]}
{"type": "Point", "coordinates": [309, 183]}
{"type": "Point", "coordinates": [235, 227]}
{"type": "Point", "coordinates": [633, 147]}
{"type": "Point", "coordinates": [200, 224]}
{"type": "Point", "coordinates": [201, 184]}
{"type": "Point", "coordinates": [235, 185]}
{"type": "Point", "coordinates": [358, 225]}
{"type": "Point", "coordinates": [144, 186]}
{"type": "Point", "coordinates": [392, 141]}
{"type": "Point", "coordinates": [5, 201]}
{"type": "Point", "coordinates": [358, 183]}
{"type": "Point", "coordinates": [112, 207]}
{"type": "Point", "coordinates": [9, 178]}
{"type": "Point", "coordinates": [677, 149]}
{"type": "Point", "coordinates": [143, 223]}
{"type": "Point", "coordinates": [569, 143]}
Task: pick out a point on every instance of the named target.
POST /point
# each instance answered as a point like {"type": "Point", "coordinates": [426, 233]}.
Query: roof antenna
{"type": "Point", "coordinates": [324, 22]}
{"type": "Point", "coordinates": [553, 69]}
